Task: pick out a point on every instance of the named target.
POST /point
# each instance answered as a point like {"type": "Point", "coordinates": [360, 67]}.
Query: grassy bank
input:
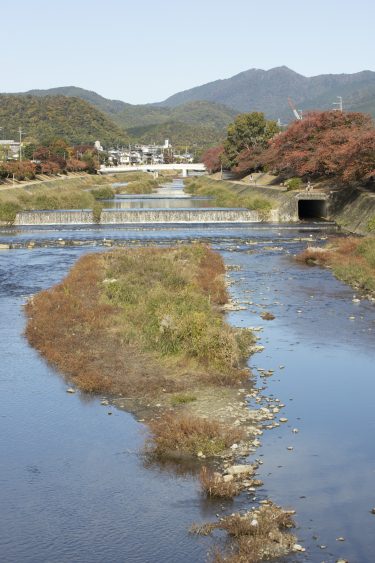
{"type": "Point", "coordinates": [140, 322]}
{"type": "Point", "coordinates": [351, 259]}
{"type": "Point", "coordinates": [225, 195]}
{"type": "Point", "coordinates": [83, 192]}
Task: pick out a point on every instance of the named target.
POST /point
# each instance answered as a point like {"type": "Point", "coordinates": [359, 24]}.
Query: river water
{"type": "Point", "coordinates": [73, 482]}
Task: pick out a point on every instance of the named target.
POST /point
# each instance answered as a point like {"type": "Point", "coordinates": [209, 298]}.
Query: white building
{"type": "Point", "coordinates": [9, 148]}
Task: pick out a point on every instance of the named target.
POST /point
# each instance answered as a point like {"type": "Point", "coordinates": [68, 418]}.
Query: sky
{"type": "Point", "coordinates": [146, 50]}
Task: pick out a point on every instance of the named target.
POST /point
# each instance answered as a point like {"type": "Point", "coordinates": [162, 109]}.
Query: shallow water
{"type": "Point", "coordinates": [73, 485]}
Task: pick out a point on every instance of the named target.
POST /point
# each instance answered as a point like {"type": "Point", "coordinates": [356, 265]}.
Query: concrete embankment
{"type": "Point", "coordinates": [352, 208]}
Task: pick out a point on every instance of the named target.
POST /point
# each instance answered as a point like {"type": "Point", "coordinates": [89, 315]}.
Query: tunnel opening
{"type": "Point", "coordinates": [312, 209]}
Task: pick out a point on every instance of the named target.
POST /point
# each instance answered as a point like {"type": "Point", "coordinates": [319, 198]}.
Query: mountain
{"type": "Point", "coordinates": [199, 122]}
{"type": "Point", "coordinates": [103, 104]}
{"type": "Point", "coordinates": [57, 116]}
{"type": "Point", "coordinates": [179, 134]}
{"type": "Point", "coordinates": [200, 115]}
{"type": "Point", "coordinates": [128, 115]}
{"type": "Point", "coordinates": [268, 91]}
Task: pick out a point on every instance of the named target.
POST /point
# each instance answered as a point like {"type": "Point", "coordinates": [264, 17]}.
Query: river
{"type": "Point", "coordinates": [74, 486]}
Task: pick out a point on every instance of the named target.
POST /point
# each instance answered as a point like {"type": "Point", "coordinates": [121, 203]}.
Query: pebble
{"type": "Point", "coordinates": [373, 511]}
{"type": "Point", "coordinates": [298, 547]}
{"type": "Point", "coordinates": [290, 448]}
{"type": "Point", "coordinates": [340, 539]}
{"type": "Point", "coordinates": [70, 390]}
{"type": "Point", "coordinates": [283, 420]}
{"type": "Point", "coordinates": [295, 430]}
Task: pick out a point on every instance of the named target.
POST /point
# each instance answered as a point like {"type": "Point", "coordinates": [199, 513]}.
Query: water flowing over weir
{"type": "Point", "coordinates": [58, 217]}
{"type": "Point", "coordinates": [203, 215]}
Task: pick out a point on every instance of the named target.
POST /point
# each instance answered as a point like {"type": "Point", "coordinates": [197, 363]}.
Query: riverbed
{"type": "Point", "coordinates": [74, 486]}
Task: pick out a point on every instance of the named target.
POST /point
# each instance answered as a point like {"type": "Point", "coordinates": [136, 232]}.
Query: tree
{"type": "Point", "coordinates": [211, 158]}
{"type": "Point", "coordinates": [250, 132]}
{"type": "Point", "coordinates": [326, 144]}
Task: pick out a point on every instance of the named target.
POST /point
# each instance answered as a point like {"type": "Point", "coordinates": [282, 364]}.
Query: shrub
{"type": "Point", "coordinates": [213, 485]}
{"type": "Point", "coordinates": [190, 435]}
{"type": "Point", "coordinates": [293, 184]}
{"type": "Point", "coordinates": [8, 211]}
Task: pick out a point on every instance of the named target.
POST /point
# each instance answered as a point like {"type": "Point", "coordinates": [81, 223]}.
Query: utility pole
{"type": "Point", "coordinates": [338, 104]}
{"type": "Point", "coordinates": [20, 132]}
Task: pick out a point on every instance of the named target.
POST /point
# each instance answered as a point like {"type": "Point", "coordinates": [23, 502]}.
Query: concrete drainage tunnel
{"type": "Point", "coordinates": [312, 209]}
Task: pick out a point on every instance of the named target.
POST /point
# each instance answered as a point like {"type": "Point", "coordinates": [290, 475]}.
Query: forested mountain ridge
{"type": "Point", "coordinates": [42, 119]}
{"type": "Point", "coordinates": [268, 91]}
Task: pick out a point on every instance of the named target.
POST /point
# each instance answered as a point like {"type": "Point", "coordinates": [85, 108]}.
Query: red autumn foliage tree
{"type": "Point", "coordinates": [74, 165]}
{"type": "Point", "coordinates": [211, 158]}
{"type": "Point", "coordinates": [249, 160]}
{"type": "Point", "coordinates": [326, 144]}
{"type": "Point", "coordinates": [20, 170]}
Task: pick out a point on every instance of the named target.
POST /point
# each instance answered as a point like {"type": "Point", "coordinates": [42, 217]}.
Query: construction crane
{"type": "Point", "coordinates": [297, 113]}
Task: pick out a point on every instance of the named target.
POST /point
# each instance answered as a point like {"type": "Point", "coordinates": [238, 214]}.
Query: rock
{"type": "Point", "coordinates": [70, 390]}
{"type": "Point", "coordinates": [283, 420]}
{"type": "Point", "coordinates": [298, 547]}
{"type": "Point", "coordinates": [290, 448]}
{"type": "Point", "coordinates": [372, 511]}
{"type": "Point", "coordinates": [342, 561]}
{"type": "Point", "coordinates": [340, 539]}
{"type": "Point", "coordinates": [295, 430]}
{"type": "Point", "coordinates": [4, 246]}
{"type": "Point", "coordinates": [241, 470]}
{"type": "Point", "coordinates": [200, 454]}
{"type": "Point", "coordinates": [227, 478]}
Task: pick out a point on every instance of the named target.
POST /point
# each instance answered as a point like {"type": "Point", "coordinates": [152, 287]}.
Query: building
{"type": "Point", "coordinates": [9, 149]}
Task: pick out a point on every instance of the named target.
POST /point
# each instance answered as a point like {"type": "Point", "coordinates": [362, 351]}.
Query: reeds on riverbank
{"type": "Point", "coordinates": [223, 196]}
{"type": "Point", "coordinates": [351, 259]}
{"type": "Point", "coordinates": [257, 535]}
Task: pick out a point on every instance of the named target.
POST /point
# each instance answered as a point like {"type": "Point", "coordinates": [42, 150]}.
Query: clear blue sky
{"type": "Point", "coordinates": [143, 51]}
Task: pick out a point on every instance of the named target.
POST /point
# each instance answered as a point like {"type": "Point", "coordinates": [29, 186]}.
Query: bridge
{"type": "Point", "coordinates": [183, 168]}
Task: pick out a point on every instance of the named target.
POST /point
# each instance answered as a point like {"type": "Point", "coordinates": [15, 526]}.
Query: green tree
{"type": "Point", "coordinates": [250, 131]}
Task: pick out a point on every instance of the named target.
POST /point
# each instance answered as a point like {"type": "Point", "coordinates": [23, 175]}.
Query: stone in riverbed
{"type": "Point", "coordinates": [241, 470]}
{"type": "Point", "coordinates": [70, 390]}
{"type": "Point", "coordinates": [298, 547]}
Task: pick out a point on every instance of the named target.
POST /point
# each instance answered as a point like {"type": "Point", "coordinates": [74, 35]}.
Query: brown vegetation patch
{"type": "Point", "coordinates": [185, 434]}
{"type": "Point", "coordinates": [140, 322]}
{"type": "Point", "coordinates": [258, 535]}
{"type": "Point", "coordinates": [213, 484]}
{"type": "Point", "coordinates": [352, 260]}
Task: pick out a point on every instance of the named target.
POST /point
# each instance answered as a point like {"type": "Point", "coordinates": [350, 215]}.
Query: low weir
{"type": "Point", "coordinates": [140, 216]}
{"type": "Point", "coordinates": [55, 217]}
{"type": "Point", "coordinates": [198, 215]}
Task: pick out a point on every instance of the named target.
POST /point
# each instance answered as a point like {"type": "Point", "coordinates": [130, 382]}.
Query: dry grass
{"type": "Point", "coordinates": [258, 535]}
{"type": "Point", "coordinates": [352, 260]}
{"type": "Point", "coordinates": [184, 435]}
{"type": "Point", "coordinates": [138, 321]}
{"type": "Point", "coordinates": [214, 486]}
